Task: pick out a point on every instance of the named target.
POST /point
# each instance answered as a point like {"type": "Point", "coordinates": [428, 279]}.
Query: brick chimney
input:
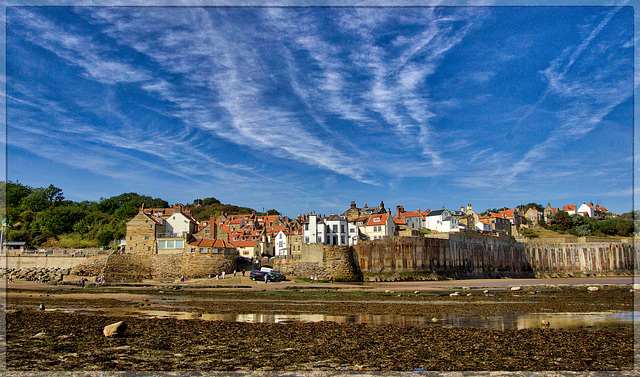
{"type": "Point", "coordinates": [353, 204]}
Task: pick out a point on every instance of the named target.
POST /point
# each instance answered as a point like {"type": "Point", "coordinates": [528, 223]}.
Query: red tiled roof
{"type": "Point", "coordinates": [411, 214]}
{"type": "Point", "coordinates": [217, 243]}
{"type": "Point", "coordinates": [569, 207]}
{"type": "Point", "coordinates": [508, 212]}
{"type": "Point", "coordinates": [382, 219]}
{"type": "Point", "coordinates": [249, 243]}
{"type": "Point", "coordinates": [398, 221]}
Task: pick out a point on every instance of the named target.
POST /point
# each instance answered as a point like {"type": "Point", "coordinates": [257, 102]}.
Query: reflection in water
{"type": "Point", "coordinates": [498, 322]}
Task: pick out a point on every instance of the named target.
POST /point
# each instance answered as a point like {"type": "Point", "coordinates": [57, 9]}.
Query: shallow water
{"type": "Point", "coordinates": [502, 321]}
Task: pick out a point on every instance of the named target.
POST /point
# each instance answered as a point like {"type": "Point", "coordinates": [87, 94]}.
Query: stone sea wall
{"type": "Point", "coordinates": [456, 256]}
{"type": "Point", "coordinates": [601, 258]}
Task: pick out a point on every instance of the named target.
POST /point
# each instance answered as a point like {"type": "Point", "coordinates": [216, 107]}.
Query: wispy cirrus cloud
{"type": "Point", "coordinates": [585, 87]}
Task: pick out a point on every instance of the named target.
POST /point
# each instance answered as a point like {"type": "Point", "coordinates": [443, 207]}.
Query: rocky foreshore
{"type": "Point", "coordinates": [67, 341]}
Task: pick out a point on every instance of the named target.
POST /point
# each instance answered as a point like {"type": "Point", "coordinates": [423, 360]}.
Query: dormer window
{"type": "Point", "coordinates": [376, 219]}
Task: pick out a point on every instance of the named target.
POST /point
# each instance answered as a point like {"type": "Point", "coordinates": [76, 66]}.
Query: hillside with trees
{"type": "Point", "coordinates": [44, 218]}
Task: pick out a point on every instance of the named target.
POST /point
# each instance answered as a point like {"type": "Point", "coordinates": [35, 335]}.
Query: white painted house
{"type": "Point", "coordinates": [332, 230]}
{"type": "Point", "coordinates": [180, 224]}
{"type": "Point", "coordinates": [586, 210]}
{"type": "Point", "coordinates": [441, 220]}
{"type": "Point", "coordinates": [281, 247]}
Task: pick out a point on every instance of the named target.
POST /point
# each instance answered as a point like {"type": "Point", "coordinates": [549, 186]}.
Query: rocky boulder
{"type": "Point", "coordinates": [115, 330]}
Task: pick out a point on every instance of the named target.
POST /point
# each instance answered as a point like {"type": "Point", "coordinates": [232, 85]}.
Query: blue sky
{"type": "Point", "coordinates": [306, 109]}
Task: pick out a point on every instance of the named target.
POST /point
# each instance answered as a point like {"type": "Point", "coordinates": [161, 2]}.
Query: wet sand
{"type": "Point", "coordinates": [74, 340]}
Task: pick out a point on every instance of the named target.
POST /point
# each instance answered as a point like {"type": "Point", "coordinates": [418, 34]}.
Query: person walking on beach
{"type": "Point", "coordinates": [223, 272]}
{"type": "Point", "coordinates": [243, 272]}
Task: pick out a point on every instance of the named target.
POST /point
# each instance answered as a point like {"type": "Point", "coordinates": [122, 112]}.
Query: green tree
{"type": "Point", "coordinates": [37, 201]}
{"type": "Point", "coordinates": [60, 219]}
{"type": "Point", "coordinates": [53, 194]}
{"type": "Point", "coordinates": [209, 201]}
{"type": "Point", "coordinates": [16, 192]}
{"type": "Point", "coordinates": [562, 221]}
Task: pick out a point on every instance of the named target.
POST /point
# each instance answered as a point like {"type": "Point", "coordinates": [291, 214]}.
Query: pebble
{"type": "Point", "coordinates": [434, 319]}
{"type": "Point", "coordinates": [41, 307]}
{"type": "Point", "coordinates": [516, 288]}
{"type": "Point", "coordinates": [454, 294]}
{"type": "Point", "coordinates": [593, 289]}
{"type": "Point", "coordinates": [544, 323]}
{"type": "Point", "coordinates": [416, 292]}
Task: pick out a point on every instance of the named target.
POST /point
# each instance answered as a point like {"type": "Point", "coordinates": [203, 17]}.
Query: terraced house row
{"type": "Point", "coordinates": [174, 231]}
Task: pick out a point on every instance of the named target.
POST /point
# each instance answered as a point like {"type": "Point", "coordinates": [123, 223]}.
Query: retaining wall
{"type": "Point", "coordinates": [44, 261]}
{"type": "Point", "coordinates": [581, 258]}
{"type": "Point", "coordinates": [457, 256]}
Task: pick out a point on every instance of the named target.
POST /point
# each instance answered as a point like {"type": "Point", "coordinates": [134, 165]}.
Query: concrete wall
{"type": "Point", "coordinates": [458, 255]}
{"type": "Point", "coordinates": [581, 258]}
{"type": "Point", "coordinates": [43, 261]}
{"type": "Point", "coordinates": [474, 255]}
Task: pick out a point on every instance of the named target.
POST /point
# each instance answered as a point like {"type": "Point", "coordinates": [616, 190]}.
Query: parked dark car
{"type": "Point", "coordinates": [257, 275]}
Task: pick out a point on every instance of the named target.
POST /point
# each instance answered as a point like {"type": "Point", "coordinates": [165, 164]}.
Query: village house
{"type": "Point", "coordinates": [570, 209]}
{"type": "Point", "coordinates": [473, 216]}
{"type": "Point", "coordinates": [354, 212]}
{"type": "Point", "coordinates": [332, 230]}
{"type": "Point", "coordinates": [294, 240]}
{"type": "Point", "coordinates": [484, 226]}
{"type": "Point", "coordinates": [441, 220]}
{"type": "Point", "coordinates": [379, 226]}
{"type": "Point", "coordinates": [281, 246]}
{"type": "Point", "coordinates": [212, 247]}
{"type": "Point", "coordinates": [142, 232]}
{"type": "Point", "coordinates": [533, 215]}
{"type": "Point", "coordinates": [497, 222]}
{"type": "Point", "coordinates": [549, 212]}
{"type": "Point", "coordinates": [409, 218]}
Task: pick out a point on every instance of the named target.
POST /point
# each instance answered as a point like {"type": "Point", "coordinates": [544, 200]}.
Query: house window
{"type": "Point", "coordinates": [204, 250]}
{"type": "Point", "coordinates": [335, 228]}
{"type": "Point", "coordinates": [342, 239]}
{"type": "Point", "coordinates": [170, 244]}
{"type": "Point", "coordinates": [306, 240]}
{"type": "Point", "coordinates": [131, 248]}
{"type": "Point", "coordinates": [179, 244]}
{"type": "Point", "coordinates": [130, 238]}
{"type": "Point", "coordinates": [206, 231]}
{"type": "Point", "coordinates": [376, 219]}
{"type": "Point", "coordinates": [341, 228]}
{"type": "Point", "coordinates": [146, 237]}
{"type": "Point", "coordinates": [146, 221]}
{"type": "Point", "coordinates": [161, 244]}
{"type": "Point", "coordinates": [306, 226]}
{"type": "Point", "coordinates": [216, 250]}
{"type": "Point", "coordinates": [192, 250]}
{"type": "Point", "coordinates": [148, 248]}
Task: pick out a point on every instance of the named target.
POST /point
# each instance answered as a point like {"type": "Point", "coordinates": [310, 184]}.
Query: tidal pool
{"type": "Point", "coordinates": [500, 321]}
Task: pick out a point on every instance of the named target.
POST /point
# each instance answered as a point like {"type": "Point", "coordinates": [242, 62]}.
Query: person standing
{"type": "Point", "coordinates": [223, 272]}
{"type": "Point", "coordinates": [266, 278]}
{"type": "Point", "coordinates": [243, 272]}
